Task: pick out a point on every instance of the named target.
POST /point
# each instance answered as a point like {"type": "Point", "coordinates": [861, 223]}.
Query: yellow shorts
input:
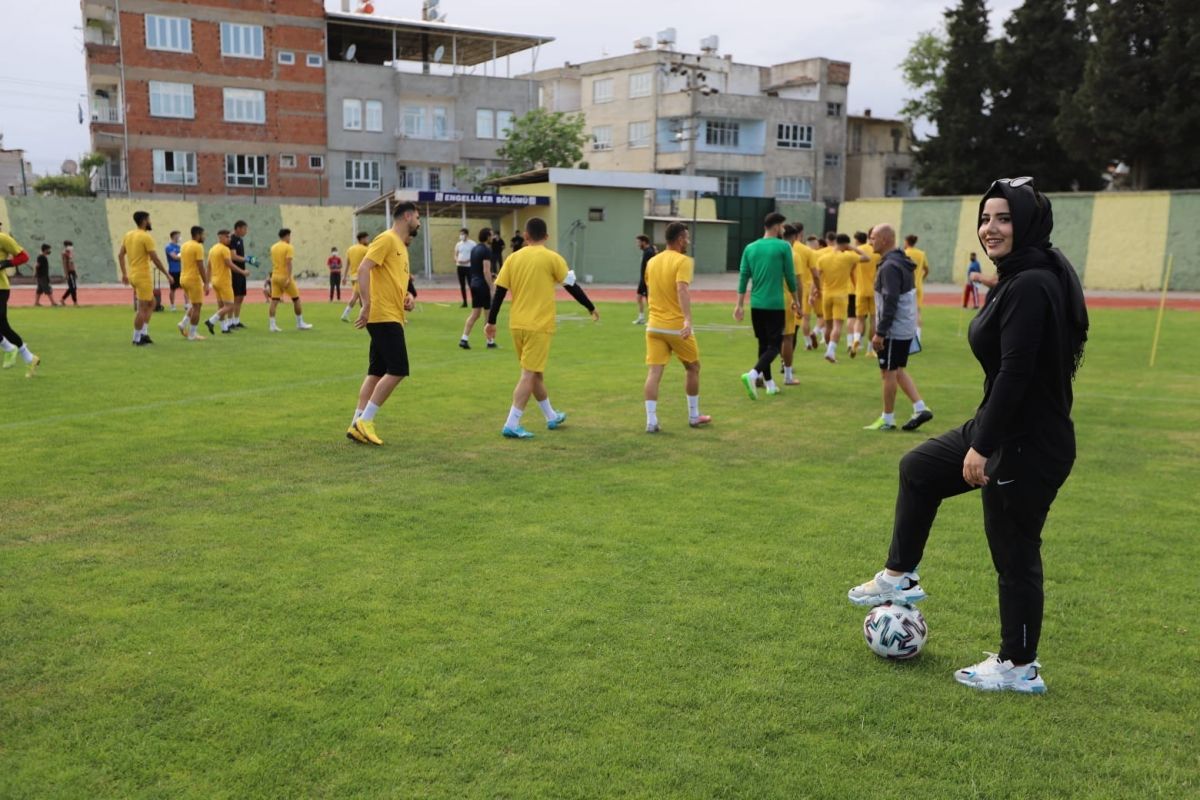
{"type": "Point", "coordinates": [143, 287]}
{"type": "Point", "coordinates": [533, 348]}
{"type": "Point", "coordinates": [805, 301]}
{"type": "Point", "coordinates": [193, 290]}
{"type": "Point", "coordinates": [224, 291]}
{"type": "Point", "coordinates": [660, 346]}
{"type": "Point", "coordinates": [834, 307]}
{"type": "Point", "coordinates": [282, 286]}
{"type": "Point", "coordinates": [864, 305]}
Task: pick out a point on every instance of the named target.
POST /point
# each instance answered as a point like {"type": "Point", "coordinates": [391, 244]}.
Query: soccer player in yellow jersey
{"type": "Point", "coordinates": [138, 247]}
{"type": "Point", "coordinates": [387, 295]}
{"type": "Point", "coordinates": [195, 281]}
{"type": "Point", "coordinates": [12, 255]}
{"type": "Point", "coordinates": [820, 246]}
{"type": "Point", "coordinates": [283, 280]}
{"type": "Point", "coordinates": [669, 328]}
{"type": "Point", "coordinates": [531, 274]}
{"type": "Point", "coordinates": [837, 267]}
{"type": "Point", "coordinates": [864, 294]}
{"type": "Point", "coordinates": [221, 270]}
{"type": "Point", "coordinates": [918, 257]}
{"type": "Point", "coordinates": [806, 270]}
{"type": "Point", "coordinates": [354, 257]}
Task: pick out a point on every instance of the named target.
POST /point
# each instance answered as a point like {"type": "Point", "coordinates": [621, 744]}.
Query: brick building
{"type": "Point", "coordinates": [208, 97]}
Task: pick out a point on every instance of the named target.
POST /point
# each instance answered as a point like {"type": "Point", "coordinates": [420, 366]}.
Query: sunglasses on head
{"type": "Point", "coordinates": [1014, 182]}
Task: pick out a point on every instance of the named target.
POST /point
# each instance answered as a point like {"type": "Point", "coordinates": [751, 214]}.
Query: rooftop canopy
{"type": "Point", "coordinates": [378, 40]}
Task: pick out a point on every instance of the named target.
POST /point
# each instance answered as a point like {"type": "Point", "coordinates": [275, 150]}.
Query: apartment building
{"type": "Point", "coordinates": [879, 158]}
{"type": "Point", "coordinates": [414, 104]}
{"type": "Point", "coordinates": [208, 97]}
{"type": "Point", "coordinates": [777, 131]}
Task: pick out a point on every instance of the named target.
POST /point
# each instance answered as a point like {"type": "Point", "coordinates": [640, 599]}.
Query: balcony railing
{"type": "Point", "coordinates": [95, 35]}
{"type": "Point", "coordinates": [448, 136]}
{"type": "Point", "coordinates": [106, 114]}
{"type": "Point", "coordinates": [108, 184]}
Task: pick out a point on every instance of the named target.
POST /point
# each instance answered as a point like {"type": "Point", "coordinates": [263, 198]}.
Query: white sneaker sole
{"type": "Point", "coordinates": [1022, 687]}
{"type": "Point", "coordinates": [904, 597]}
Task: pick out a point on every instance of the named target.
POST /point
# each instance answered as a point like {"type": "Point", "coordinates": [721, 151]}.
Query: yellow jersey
{"type": "Point", "coordinates": [864, 283]}
{"type": "Point", "coordinates": [191, 256]}
{"type": "Point", "coordinates": [281, 251]}
{"type": "Point", "coordinates": [8, 249]}
{"type": "Point", "coordinates": [219, 257]}
{"type": "Point", "coordinates": [531, 274]}
{"type": "Point", "coordinates": [354, 257]}
{"type": "Point", "coordinates": [805, 260]}
{"type": "Point", "coordinates": [917, 256]}
{"type": "Point", "coordinates": [836, 267]}
{"type": "Point", "coordinates": [389, 277]}
{"type": "Point", "coordinates": [139, 244]}
{"type": "Point", "coordinates": [663, 274]}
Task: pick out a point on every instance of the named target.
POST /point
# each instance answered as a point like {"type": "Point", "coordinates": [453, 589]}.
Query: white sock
{"type": "Point", "coordinates": [146, 329]}
{"type": "Point", "coordinates": [787, 373]}
{"type": "Point", "coordinates": [226, 324]}
{"type": "Point", "coordinates": [215, 318]}
{"type": "Point", "coordinates": [345, 312]}
{"type": "Point", "coordinates": [547, 409]}
{"type": "Point", "coordinates": [237, 320]}
{"type": "Point", "coordinates": [651, 412]}
{"type": "Point", "coordinates": [491, 341]}
{"type": "Point", "coordinates": [857, 338]}
{"type": "Point", "coordinates": [464, 338]}
{"type": "Point", "coordinates": [357, 413]}
{"type": "Point", "coordinates": [514, 418]}
{"type": "Point", "coordinates": [771, 384]}
{"type": "Point", "coordinates": [693, 406]}
{"type": "Point", "coordinates": [831, 349]}
{"type": "Point", "coordinates": [368, 413]}
{"type": "Point", "coordinates": [192, 329]}
{"type": "Point", "coordinates": [137, 334]}
{"type": "Point", "coordinates": [753, 373]}
{"type": "Point", "coordinates": [6, 345]}
{"type": "Point", "coordinates": [25, 354]}
{"type": "Point", "coordinates": [889, 417]}
{"type": "Point", "coordinates": [919, 406]}
{"type": "Point", "coordinates": [273, 325]}
{"type": "Point", "coordinates": [299, 319]}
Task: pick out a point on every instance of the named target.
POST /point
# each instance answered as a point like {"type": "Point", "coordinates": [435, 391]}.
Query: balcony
{"type": "Point", "coordinates": [449, 136]}
{"type": "Point", "coordinates": [93, 34]}
{"type": "Point", "coordinates": [107, 114]}
{"type": "Point", "coordinates": [109, 184]}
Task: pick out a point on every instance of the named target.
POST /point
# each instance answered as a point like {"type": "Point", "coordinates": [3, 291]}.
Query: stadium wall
{"type": "Point", "coordinates": [1117, 240]}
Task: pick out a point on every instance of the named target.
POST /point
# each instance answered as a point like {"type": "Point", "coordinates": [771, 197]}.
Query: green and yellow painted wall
{"type": "Point", "coordinates": [1117, 240]}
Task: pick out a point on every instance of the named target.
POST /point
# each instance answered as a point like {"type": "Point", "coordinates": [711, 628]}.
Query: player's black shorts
{"type": "Point", "coordinates": [174, 280]}
{"type": "Point", "coordinates": [894, 354]}
{"type": "Point", "coordinates": [481, 296]}
{"type": "Point", "coordinates": [850, 309]}
{"type": "Point", "coordinates": [239, 285]}
{"type": "Point", "coordinates": [389, 353]}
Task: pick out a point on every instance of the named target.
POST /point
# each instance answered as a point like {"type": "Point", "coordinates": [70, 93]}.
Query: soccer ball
{"type": "Point", "coordinates": [894, 631]}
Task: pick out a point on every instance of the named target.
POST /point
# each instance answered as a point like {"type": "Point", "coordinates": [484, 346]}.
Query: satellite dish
{"type": "Point", "coordinates": [350, 51]}
{"type": "Point", "coordinates": [437, 54]}
{"type": "Point", "coordinates": [69, 167]}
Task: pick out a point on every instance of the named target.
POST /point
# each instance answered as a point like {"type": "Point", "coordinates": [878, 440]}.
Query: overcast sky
{"type": "Point", "coordinates": [42, 79]}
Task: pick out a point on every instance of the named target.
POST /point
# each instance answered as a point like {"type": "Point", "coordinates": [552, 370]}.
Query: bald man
{"type": "Point", "coordinates": [895, 329]}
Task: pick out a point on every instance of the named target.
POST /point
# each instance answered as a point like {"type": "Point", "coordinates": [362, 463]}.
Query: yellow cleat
{"type": "Point", "coordinates": [367, 429]}
{"type": "Point", "coordinates": [33, 365]}
{"type": "Point", "coordinates": [353, 435]}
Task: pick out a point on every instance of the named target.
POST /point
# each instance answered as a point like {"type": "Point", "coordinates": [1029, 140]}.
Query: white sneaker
{"type": "Point", "coordinates": [640, 320]}
{"type": "Point", "coordinates": [303, 326]}
{"type": "Point", "coordinates": [994, 675]}
{"type": "Point", "coordinates": [883, 588]}
{"type": "Point", "coordinates": [275, 329]}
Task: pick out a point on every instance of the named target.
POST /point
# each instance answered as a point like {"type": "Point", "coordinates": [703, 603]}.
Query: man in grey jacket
{"type": "Point", "coordinates": [895, 329]}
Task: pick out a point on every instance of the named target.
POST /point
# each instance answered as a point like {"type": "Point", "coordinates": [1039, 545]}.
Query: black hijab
{"type": "Point", "coordinates": [1033, 221]}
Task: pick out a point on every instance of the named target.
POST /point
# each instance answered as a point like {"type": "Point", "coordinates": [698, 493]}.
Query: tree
{"type": "Point", "coordinates": [549, 138]}
{"type": "Point", "coordinates": [72, 185]}
{"type": "Point", "coordinates": [924, 70]}
{"type": "Point", "coordinates": [1039, 65]}
{"type": "Point", "coordinates": [956, 160]}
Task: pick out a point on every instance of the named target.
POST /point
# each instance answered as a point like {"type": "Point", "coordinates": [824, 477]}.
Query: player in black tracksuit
{"type": "Point", "coordinates": [1019, 447]}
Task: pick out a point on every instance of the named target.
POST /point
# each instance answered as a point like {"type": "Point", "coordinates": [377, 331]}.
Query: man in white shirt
{"type": "Point", "coordinates": [462, 260]}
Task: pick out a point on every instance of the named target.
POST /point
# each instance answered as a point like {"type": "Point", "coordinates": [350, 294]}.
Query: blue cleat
{"type": "Point", "coordinates": [516, 433]}
{"type": "Point", "coordinates": [559, 419]}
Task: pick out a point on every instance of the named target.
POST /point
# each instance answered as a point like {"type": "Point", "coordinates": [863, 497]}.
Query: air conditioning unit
{"type": "Point", "coordinates": [710, 44]}
{"type": "Point", "coordinates": [666, 38]}
{"type": "Point", "coordinates": [644, 43]}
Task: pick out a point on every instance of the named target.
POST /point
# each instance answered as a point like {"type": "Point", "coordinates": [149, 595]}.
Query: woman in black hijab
{"type": "Point", "coordinates": [1019, 447]}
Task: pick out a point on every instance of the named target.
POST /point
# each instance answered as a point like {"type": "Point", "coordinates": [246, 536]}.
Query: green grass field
{"type": "Point", "coordinates": [206, 591]}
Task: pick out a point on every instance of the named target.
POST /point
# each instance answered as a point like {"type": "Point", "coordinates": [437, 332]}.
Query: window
{"type": "Point", "coordinates": [172, 100]}
{"type": "Point", "coordinates": [316, 162]}
{"type": "Point", "coordinates": [375, 115]}
{"type": "Point", "coordinates": [485, 124]}
{"type": "Point", "coordinates": [410, 177]}
{"type": "Point", "coordinates": [440, 130]}
{"type": "Point", "coordinates": [794, 137]}
{"type": "Point", "coordinates": [246, 171]}
{"type": "Point", "coordinates": [639, 134]}
{"type": "Point", "coordinates": [352, 115]}
{"type": "Point", "coordinates": [435, 179]}
{"type": "Point", "coordinates": [287, 161]}
{"type": "Point", "coordinates": [793, 188]}
{"type": "Point", "coordinates": [175, 167]}
{"type": "Point", "coordinates": [168, 33]}
{"type": "Point", "coordinates": [833, 159]}
{"type": "Point", "coordinates": [287, 57]}
{"type": "Point", "coordinates": [602, 90]}
{"type": "Point", "coordinates": [362, 174]}
{"type": "Point", "coordinates": [602, 137]}
{"type": "Point", "coordinates": [245, 105]}
{"type": "Point", "coordinates": [504, 122]}
{"type": "Point", "coordinates": [595, 214]}
{"type": "Point", "coordinates": [722, 133]}
{"type": "Point", "coordinates": [241, 41]}
{"type": "Point", "coordinates": [833, 109]}
{"type": "Point", "coordinates": [640, 84]}
{"type": "Point", "coordinates": [314, 60]}
{"type": "Point", "coordinates": [856, 132]}
{"type": "Point", "coordinates": [413, 122]}
{"type": "Point", "coordinates": [729, 185]}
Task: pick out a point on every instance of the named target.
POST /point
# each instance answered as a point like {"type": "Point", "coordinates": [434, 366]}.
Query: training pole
{"type": "Point", "coordinates": [1162, 307]}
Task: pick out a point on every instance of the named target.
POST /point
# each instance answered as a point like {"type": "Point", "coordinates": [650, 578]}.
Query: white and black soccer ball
{"type": "Point", "coordinates": [895, 631]}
